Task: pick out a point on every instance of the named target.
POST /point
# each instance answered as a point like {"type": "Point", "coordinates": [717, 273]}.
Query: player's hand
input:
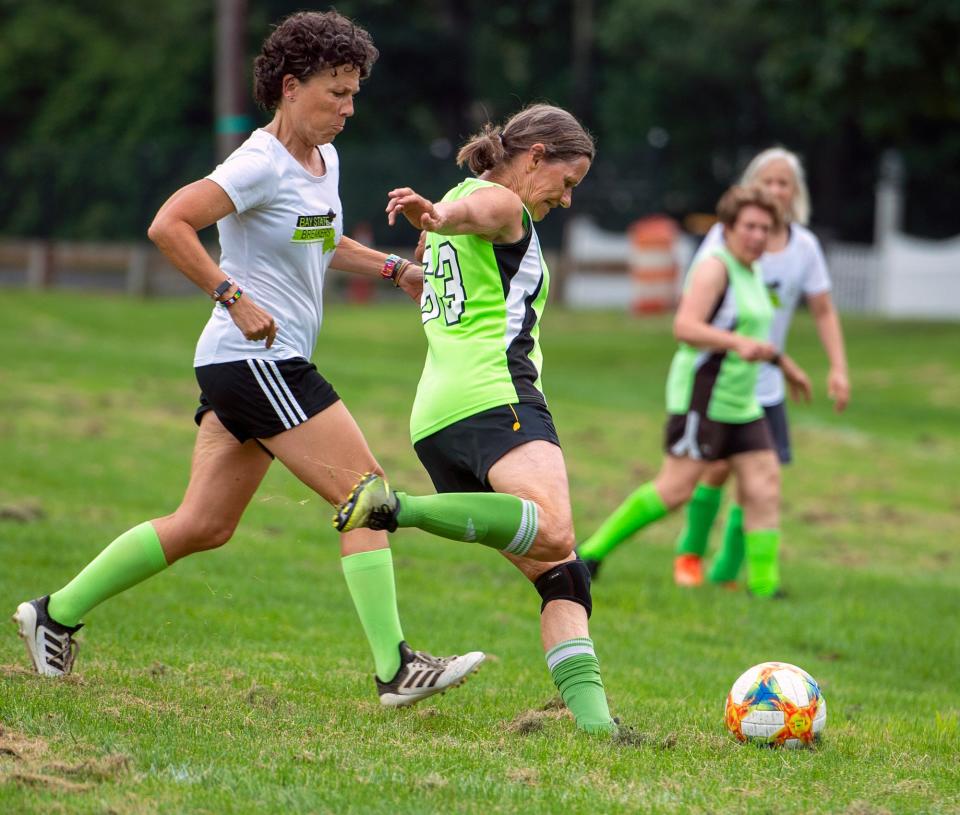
{"type": "Point", "coordinates": [838, 389]}
{"type": "Point", "coordinates": [753, 350]}
{"type": "Point", "coordinates": [797, 380]}
{"type": "Point", "coordinates": [421, 247]}
{"type": "Point", "coordinates": [255, 322]}
{"type": "Point", "coordinates": [419, 211]}
{"type": "Point", "coordinates": [411, 281]}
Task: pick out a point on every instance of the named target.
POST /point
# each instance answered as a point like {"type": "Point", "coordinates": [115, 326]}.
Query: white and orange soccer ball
{"type": "Point", "coordinates": [776, 704]}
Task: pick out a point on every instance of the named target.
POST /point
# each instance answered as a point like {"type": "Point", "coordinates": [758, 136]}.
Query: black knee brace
{"type": "Point", "coordinates": [568, 581]}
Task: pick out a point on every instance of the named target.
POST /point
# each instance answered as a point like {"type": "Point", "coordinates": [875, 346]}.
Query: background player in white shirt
{"type": "Point", "coordinates": [276, 204]}
{"type": "Point", "coordinates": [793, 267]}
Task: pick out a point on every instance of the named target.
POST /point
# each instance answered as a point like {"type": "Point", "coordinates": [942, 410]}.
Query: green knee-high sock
{"type": "Point", "coordinates": [642, 507]}
{"type": "Point", "coordinates": [763, 565]}
{"type": "Point", "coordinates": [576, 673]}
{"type": "Point", "coordinates": [369, 577]}
{"type": "Point", "coordinates": [130, 559]}
{"type": "Point", "coordinates": [500, 521]}
{"type": "Point", "coordinates": [700, 514]}
{"type": "Point", "coordinates": [726, 565]}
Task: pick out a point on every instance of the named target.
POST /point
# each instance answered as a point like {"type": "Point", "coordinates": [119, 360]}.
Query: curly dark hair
{"type": "Point", "coordinates": [304, 44]}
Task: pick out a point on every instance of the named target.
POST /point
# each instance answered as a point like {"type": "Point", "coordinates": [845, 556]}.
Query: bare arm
{"type": "Point", "coordinates": [831, 337]}
{"type": "Point", "coordinates": [492, 213]}
{"type": "Point", "coordinates": [352, 256]}
{"type": "Point", "coordinates": [174, 231]}
{"type": "Point", "coordinates": [699, 300]}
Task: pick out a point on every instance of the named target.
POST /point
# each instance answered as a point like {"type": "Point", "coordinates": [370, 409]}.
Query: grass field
{"type": "Point", "coordinates": [239, 681]}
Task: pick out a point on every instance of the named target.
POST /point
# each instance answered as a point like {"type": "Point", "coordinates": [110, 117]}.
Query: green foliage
{"type": "Point", "coordinates": [239, 681]}
{"type": "Point", "coordinates": [105, 108]}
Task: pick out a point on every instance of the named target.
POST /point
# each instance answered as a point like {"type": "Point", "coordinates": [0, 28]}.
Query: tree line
{"type": "Point", "coordinates": [106, 107]}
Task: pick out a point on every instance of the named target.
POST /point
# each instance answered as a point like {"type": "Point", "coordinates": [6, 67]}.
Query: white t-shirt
{"type": "Point", "coordinates": [797, 269]}
{"type": "Point", "coordinates": [276, 246]}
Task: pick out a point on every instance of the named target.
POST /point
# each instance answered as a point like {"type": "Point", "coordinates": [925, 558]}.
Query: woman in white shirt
{"type": "Point", "coordinates": [793, 267]}
{"type": "Point", "coordinates": [276, 204]}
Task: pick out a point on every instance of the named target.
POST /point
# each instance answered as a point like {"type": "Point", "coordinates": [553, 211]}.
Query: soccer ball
{"type": "Point", "coordinates": [776, 704]}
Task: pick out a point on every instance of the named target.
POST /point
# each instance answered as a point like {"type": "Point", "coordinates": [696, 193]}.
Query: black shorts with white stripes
{"type": "Point", "coordinates": [259, 398]}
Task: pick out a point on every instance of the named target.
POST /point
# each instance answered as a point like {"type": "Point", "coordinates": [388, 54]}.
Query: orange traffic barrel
{"type": "Point", "coordinates": [653, 264]}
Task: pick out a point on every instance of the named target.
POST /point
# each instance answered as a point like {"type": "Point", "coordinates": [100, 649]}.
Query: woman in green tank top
{"type": "Point", "coordinates": [480, 423]}
{"type": "Point", "coordinates": [722, 324]}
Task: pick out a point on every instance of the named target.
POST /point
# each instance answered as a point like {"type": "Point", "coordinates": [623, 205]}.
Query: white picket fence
{"type": "Point", "coordinates": [856, 273]}
{"type": "Point", "coordinates": [901, 276]}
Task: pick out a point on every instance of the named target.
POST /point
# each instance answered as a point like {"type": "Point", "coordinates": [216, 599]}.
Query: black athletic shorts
{"type": "Point", "coordinates": [259, 398]}
{"type": "Point", "coordinates": [777, 419]}
{"type": "Point", "coordinates": [459, 456]}
{"type": "Point", "coordinates": [695, 436]}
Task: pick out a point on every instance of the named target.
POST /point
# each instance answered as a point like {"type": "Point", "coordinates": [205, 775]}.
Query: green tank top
{"type": "Point", "coordinates": [721, 385]}
{"type": "Point", "coordinates": [481, 309]}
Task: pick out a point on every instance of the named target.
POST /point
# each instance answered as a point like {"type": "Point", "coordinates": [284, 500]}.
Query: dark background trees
{"type": "Point", "coordinates": [106, 107]}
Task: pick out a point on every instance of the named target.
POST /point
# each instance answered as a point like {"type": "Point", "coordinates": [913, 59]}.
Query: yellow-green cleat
{"type": "Point", "coordinates": [371, 504]}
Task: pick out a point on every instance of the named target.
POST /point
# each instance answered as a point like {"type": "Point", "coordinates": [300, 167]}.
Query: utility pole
{"type": "Point", "coordinates": [233, 124]}
{"type": "Point", "coordinates": [581, 92]}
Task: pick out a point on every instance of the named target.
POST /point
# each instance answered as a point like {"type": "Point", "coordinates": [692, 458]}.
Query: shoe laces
{"type": "Point", "coordinates": [60, 650]}
{"type": "Point", "coordinates": [430, 661]}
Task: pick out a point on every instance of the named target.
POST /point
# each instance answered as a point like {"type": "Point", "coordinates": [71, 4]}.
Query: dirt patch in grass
{"type": "Point", "coordinates": [533, 721]}
{"type": "Point", "coordinates": [16, 670]}
{"type": "Point", "coordinates": [24, 512]}
{"type": "Point", "coordinates": [865, 808]}
{"type": "Point", "coordinates": [95, 769]}
{"type": "Point", "coordinates": [50, 782]}
{"type": "Point", "coordinates": [432, 781]}
{"type": "Point", "coordinates": [26, 761]}
{"type": "Point", "coordinates": [524, 775]}
{"type": "Point", "coordinates": [629, 736]}
{"type": "Point", "coordinates": [20, 747]}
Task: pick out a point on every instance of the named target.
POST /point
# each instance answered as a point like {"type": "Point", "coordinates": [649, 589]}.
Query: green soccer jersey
{"type": "Point", "coordinates": [481, 310]}
{"type": "Point", "coordinates": [721, 385]}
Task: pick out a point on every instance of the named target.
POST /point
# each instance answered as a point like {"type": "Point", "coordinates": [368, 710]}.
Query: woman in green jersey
{"type": "Point", "coordinates": [794, 269]}
{"type": "Point", "coordinates": [480, 423]}
{"type": "Point", "coordinates": [723, 325]}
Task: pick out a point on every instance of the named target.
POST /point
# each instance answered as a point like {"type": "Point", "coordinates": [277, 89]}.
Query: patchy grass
{"type": "Point", "coordinates": [239, 681]}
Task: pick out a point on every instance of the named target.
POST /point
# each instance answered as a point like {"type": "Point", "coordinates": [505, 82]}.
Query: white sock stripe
{"type": "Point", "coordinates": [518, 538]}
{"type": "Point", "coordinates": [532, 528]}
{"type": "Point", "coordinates": [572, 641]}
{"type": "Point", "coordinates": [286, 389]}
{"type": "Point", "coordinates": [565, 651]}
{"type": "Point", "coordinates": [269, 394]}
{"type": "Point", "coordinates": [524, 538]}
{"type": "Point", "coordinates": [268, 375]}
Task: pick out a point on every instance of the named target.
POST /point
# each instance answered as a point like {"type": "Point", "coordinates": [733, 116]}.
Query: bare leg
{"type": "Point", "coordinates": [536, 471]}
{"type": "Point", "coordinates": [224, 476]}
{"type": "Point", "coordinates": [328, 453]}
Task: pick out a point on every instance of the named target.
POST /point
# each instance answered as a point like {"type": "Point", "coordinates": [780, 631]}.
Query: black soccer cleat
{"type": "Point", "coordinates": [51, 645]}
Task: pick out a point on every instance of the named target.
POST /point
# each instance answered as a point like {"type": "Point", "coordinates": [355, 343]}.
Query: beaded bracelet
{"type": "Point", "coordinates": [232, 298]}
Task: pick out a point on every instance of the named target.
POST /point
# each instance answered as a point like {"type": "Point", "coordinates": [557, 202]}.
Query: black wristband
{"type": "Point", "coordinates": [222, 289]}
{"type": "Point", "coordinates": [775, 359]}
